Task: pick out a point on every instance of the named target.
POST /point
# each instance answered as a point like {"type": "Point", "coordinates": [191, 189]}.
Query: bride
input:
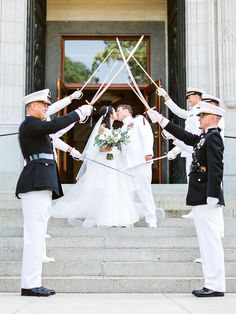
{"type": "Point", "coordinates": [101, 196]}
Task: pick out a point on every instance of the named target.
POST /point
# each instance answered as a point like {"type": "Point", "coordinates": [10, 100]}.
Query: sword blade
{"type": "Point", "coordinates": [118, 72]}
{"type": "Point", "coordinates": [104, 165]}
{"type": "Point", "coordinates": [146, 162]}
{"type": "Point", "coordinates": [92, 75]}
{"type": "Point", "coordinates": [143, 70]}
{"type": "Point", "coordinates": [100, 88]}
{"type": "Point", "coordinates": [131, 76]}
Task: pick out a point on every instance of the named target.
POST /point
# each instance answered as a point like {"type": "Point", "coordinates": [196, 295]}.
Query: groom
{"type": "Point", "coordinates": [140, 149]}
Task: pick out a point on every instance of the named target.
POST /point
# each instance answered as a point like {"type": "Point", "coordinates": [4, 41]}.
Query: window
{"type": "Point", "coordinates": [82, 56]}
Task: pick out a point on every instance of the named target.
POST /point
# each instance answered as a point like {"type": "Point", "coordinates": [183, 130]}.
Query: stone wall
{"type": "Point", "coordinates": [211, 65]}
{"type": "Point", "coordinates": [12, 81]}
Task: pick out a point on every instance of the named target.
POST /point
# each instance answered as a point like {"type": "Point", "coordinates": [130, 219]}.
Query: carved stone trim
{"type": "Point", "coordinates": [36, 45]}
{"type": "Point", "coordinates": [177, 74]}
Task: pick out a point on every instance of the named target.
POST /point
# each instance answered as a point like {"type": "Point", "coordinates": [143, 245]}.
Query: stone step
{"type": "Point", "coordinates": [13, 219]}
{"type": "Point", "coordinates": [159, 269]}
{"type": "Point", "coordinates": [117, 254]}
{"type": "Point", "coordinates": [109, 242]}
{"type": "Point", "coordinates": [67, 232]}
{"type": "Point", "coordinates": [116, 269]}
{"type": "Point", "coordinates": [171, 208]}
{"type": "Point", "coordinates": [14, 231]}
{"type": "Point", "coordinates": [188, 231]}
{"type": "Point", "coordinates": [17, 220]}
{"type": "Point", "coordinates": [166, 201]}
{"type": "Point", "coordinates": [171, 197]}
{"type": "Point", "coordinates": [118, 242]}
{"type": "Point", "coordinates": [97, 284]}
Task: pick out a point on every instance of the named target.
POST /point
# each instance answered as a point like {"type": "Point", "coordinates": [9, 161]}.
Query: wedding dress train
{"type": "Point", "coordinates": [101, 196]}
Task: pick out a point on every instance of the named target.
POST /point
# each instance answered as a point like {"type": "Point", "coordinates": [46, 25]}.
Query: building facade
{"type": "Point", "coordinates": [189, 43]}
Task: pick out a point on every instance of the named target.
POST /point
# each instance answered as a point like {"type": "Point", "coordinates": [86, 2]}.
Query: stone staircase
{"type": "Point", "coordinates": [114, 260]}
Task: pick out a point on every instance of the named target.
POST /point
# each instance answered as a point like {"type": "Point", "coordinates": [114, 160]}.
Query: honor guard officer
{"type": "Point", "coordinates": [193, 96]}
{"type": "Point", "coordinates": [57, 142]}
{"type": "Point", "coordinates": [39, 183]}
{"type": "Point", "coordinates": [205, 193]}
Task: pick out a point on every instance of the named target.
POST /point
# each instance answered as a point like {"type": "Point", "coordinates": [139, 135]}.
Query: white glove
{"type": "Point", "coordinates": [212, 201]}
{"type": "Point", "coordinates": [171, 155]}
{"type": "Point", "coordinates": [75, 153]}
{"type": "Point", "coordinates": [84, 111]}
{"type": "Point", "coordinates": [76, 95]}
{"type": "Point", "coordinates": [154, 116]}
{"type": "Point", "coordinates": [161, 92]}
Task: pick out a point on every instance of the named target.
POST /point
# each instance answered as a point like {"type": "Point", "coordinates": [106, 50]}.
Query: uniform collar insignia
{"type": "Point", "coordinates": [201, 143]}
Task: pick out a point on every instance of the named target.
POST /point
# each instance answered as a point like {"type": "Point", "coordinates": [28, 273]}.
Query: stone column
{"type": "Point", "coordinates": [227, 51]}
{"type": "Point", "coordinates": [211, 65]}
{"type": "Point", "coordinates": [201, 45]}
{"type": "Point", "coordinates": [12, 81]}
{"type": "Point", "coordinates": [227, 88]}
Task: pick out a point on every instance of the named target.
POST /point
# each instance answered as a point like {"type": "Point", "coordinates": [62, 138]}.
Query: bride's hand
{"type": "Point", "coordinates": [106, 149]}
{"type": "Point", "coordinates": [102, 128]}
{"type": "Point", "coordinates": [148, 157]}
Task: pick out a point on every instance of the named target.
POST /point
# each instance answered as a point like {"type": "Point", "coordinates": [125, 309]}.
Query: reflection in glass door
{"type": "Point", "coordinates": [81, 57]}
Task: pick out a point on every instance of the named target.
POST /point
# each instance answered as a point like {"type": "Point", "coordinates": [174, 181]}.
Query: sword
{"type": "Point", "coordinates": [146, 162]}
{"type": "Point", "coordinates": [143, 70]}
{"type": "Point", "coordinates": [109, 73]}
{"type": "Point", "coordinates": [118, 72]}
{"type": "Point", "coordinates": [102, 164]}
{"type": "Point", "coordinates": [92, 75]}
{"type": "Point", "coordinates": [137, 92]}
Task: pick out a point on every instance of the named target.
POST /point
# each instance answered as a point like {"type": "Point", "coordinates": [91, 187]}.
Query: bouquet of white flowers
{"type": "Point", "coordinates": [106, 139]}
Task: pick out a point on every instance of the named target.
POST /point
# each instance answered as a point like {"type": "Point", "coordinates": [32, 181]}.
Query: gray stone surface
{"type": "Point", "coordinates": [97, 260]}
{"type": "Point", "coordinates": [152, 303]}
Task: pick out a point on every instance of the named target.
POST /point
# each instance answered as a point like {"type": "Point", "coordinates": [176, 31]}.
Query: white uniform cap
{"type": "Point", "coordinates": [41, 95]}
{"type": "Point", "coordinates": [194, 91]}
{"type": "Point", "coordinates": [210, 98]}
{"type": "Point", "coordinates": [210, 109]}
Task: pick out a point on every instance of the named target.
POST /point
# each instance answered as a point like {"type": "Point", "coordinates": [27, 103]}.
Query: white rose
{"type": "Point", "coordinates": [102, 137]}
{"type": "Point", "coordinates": [117, 138]}
{"type": "Point", "coordinates": [107, 132]}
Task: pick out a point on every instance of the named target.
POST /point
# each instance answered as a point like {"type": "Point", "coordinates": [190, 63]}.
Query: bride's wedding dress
{"type": "Point", "coordinates": [101, 196]}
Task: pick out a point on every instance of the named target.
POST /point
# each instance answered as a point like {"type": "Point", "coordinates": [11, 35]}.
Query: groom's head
{"type": "Point", "coordinates": [123, 111]}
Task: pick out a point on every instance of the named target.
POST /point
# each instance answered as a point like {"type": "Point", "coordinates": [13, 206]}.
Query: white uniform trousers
{"type": "Point", "coordinates": [206, 220]}
{"type": "Point", "coordinates": [142, 178]}
{"type": "Point", "coordinates": [221, 222]}
{"type": "Point", "coordinates": [35, 207]}
{"type": "Point", "coordinates": [221, 216]}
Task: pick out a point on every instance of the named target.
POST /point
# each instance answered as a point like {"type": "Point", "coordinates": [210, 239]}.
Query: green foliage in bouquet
{"type": "Point", "coordinates": [111, 138]}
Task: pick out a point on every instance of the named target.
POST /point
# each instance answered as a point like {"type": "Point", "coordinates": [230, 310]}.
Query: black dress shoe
{"type": "Point", "coordinates": [51, 291]}
{"type": "Point", "coordinates": [207, 293]}
{"type": "Point", "coordinates": [35, 292]}
{"type": "Point", "coordinates": [193, 292]}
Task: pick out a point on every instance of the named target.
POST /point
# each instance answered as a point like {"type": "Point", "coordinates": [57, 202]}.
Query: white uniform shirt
{"type": "Point", "coordinates": [191, 125]}
{"type": "Point", "coordinates": [141, 140]}
{"type": "Point", "coordinates": [56, 141]}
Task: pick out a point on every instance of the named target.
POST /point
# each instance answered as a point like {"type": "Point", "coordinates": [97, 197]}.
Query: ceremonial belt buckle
{"type": "Point", "coordinates": [39, 156]}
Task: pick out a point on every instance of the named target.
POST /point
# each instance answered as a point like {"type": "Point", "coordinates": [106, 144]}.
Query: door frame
{"type": "Point", "coordinates": [157, 166]}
